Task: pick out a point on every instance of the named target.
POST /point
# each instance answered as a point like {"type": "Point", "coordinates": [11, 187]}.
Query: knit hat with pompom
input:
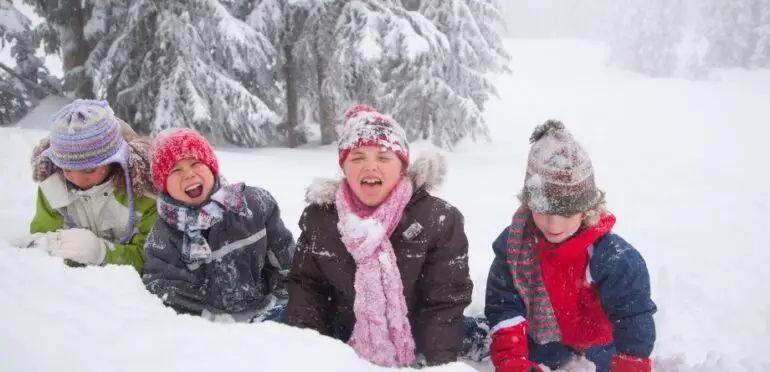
{"type": "Point", "coordinates": [560, 177]}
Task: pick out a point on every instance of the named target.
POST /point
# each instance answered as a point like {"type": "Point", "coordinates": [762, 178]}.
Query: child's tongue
{"type": "Point", "coordinates": [370, 189]}
{"type": "Point", "coordinates": [195, 192]}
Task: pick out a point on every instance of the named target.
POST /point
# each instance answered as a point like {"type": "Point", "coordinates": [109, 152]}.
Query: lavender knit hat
{"type": "Point", "coordinates": [86, 134]}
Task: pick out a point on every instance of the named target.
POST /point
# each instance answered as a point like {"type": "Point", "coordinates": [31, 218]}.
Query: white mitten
{"type": "Point", "coordinates": [79, 245]}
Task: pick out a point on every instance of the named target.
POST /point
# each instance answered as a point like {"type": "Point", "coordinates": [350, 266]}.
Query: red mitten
{"type": "Point", "coordinates": [626, 363]}
{"type": "Point", "coordinates": [509, 351]}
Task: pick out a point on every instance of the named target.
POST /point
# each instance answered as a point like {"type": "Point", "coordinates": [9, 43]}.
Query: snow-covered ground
{"type": "Point", "coordinates": [684, 164]}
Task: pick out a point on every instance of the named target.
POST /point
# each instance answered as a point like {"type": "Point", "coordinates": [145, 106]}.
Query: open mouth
{"type": "Point", "coordinates": [194, 191]}
{"type": "Point", "coordinates": [371, 182]}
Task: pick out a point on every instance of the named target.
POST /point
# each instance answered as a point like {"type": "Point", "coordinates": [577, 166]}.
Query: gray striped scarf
{"type": "Point", "coordinates": [528, 278]}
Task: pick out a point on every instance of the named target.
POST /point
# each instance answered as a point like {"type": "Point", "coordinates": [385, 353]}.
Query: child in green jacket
{"type": "Point", "coordinates": [95, 200]}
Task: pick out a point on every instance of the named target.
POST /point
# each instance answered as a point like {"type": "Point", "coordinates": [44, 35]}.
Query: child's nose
{"type": "Point", "coordinates": [370, 165]}
{"type": "Point", "coordinates": [80, 180]}
{"type": "Point", "coordinates": [554, 223]}
{"type": "Point", "coordinates": [187, 173]}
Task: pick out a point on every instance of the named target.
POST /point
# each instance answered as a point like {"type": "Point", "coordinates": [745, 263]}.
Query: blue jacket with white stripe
{"type": "Point", "coordinates": [624, 292]}
{"type": "Point", "coordinates": [247, 273]}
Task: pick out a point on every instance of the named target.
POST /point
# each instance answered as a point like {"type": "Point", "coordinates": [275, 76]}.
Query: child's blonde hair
{"type": "Point", "coordinates": [592, 216]}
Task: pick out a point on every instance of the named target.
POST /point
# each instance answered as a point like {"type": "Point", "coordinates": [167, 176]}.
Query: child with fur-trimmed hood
{"type": "Point", "coordinates": [95, 200]}
{"type": "Point", "coordinates": [381, 264]}
{"type": "Point", "coordinates": [218, 250]}
{"type": "Point", "coordinates": [562, 284]}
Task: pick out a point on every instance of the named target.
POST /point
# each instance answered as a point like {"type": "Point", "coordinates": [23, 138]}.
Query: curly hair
{"type": "Point", "coordinates": [592, 216]}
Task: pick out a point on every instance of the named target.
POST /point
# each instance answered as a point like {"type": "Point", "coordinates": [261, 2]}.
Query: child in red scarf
{"type": "Point", "coordinates": [562, 284]}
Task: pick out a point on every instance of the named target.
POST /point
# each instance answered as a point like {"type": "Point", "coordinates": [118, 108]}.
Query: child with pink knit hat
{"type": "Point", "coordinates": [562, 284]}
{"type": "Point", "coordinates": [381, 263]}
{"type": "Point", "coordinates": [95, 200]}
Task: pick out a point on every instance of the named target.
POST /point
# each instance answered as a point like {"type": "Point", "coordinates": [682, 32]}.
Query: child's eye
{"type": "Point", "coordinates": [174, 170]}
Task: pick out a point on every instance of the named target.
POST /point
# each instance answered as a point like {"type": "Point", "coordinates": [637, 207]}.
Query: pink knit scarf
{"type": "Point", "coordinates": [382, 334]}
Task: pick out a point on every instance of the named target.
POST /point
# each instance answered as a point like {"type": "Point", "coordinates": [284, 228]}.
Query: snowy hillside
{"type": "Point", "coordinates": [684, 165]}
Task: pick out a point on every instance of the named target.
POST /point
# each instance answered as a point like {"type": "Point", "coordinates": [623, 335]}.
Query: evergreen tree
{"type": "Point", "coordinates": [648, 34]}
{"type": "Point", "coordinates": [28, 81]}
{"type": "Point", "coordinates": [728, 26]}
{"type": "Point", "coordinates": [761, 54]}
{"type": "Point", "coordinates": [65, 32]}
{"type": "Point", "coordinates": [13, 102]}
{"type": "Point", "coordinates": [458, 82]}
{"type": "Point", "coordinates": [191, 63]}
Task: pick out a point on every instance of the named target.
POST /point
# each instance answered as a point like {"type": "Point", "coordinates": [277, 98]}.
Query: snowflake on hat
{"type": "Point", "coordinates": [560, 177]}
{"type": "Point", "coordinates": [364, 126]}
{"type": "Point", "coordinates": [355, 110]}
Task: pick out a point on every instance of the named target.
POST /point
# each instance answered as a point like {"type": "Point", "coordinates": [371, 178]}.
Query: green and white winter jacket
{"type": "Point", "coordinates": [102, 209]}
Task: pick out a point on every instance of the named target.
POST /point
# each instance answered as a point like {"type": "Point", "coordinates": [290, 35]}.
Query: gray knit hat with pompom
{"type": "Point", "coordinates": [560, 177]}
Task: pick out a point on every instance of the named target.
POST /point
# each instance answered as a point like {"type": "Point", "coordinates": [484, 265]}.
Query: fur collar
{"type": "Point", "coordinates": [426, 172]}
{"type": "Point", "coordinates": [138, 163]}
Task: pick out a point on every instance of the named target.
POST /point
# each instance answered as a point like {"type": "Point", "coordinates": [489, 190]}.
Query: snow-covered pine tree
{"type": "Point", "coordinates": [460, 81]}
{"type": "Point", "coordinates": [13, 104]}
{"type": "Point", "coordinates": [648, 33]}
{"type": "Point", "coordinates": [184, 63]}
{"type": "Point", "coordinates": [283, 23]}
{"type": "Point", "coordinates": [338, 53]}
{"type": "Point", "coordinates": [728, 26]}
{"type": "Point", "coordinates": [318, 53]}
{"type": "Point", "coordinates": [27, 81]}
{"type": "Point", "coordinates": [64, 32]}
{"type": "Point", "coordinates": [12, 21]}
{"type": "Point", "coordinates": [13, 101]}
{"type": "Point", "coordinates": [761, 55]}
{"type": "Point", "coordinates": [352, 47]}
{"type": "Point", "coordinates": [413, 74]}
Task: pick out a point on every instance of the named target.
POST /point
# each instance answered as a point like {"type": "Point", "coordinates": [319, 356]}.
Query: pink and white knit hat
{"type": "Point", "coordinates": [560, 176]}
{"type": "Point", "coordinates": [364, 126]}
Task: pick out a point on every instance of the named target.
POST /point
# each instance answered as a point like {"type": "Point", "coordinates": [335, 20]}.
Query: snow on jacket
{"type": "Point", "coordinates": [431, 251]}
{"type": "Point", "coordinates": [246, 274]}
{"type": "Point", "coordinates": [617, 276]}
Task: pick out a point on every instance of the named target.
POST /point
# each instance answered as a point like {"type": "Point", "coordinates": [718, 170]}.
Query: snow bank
{"type": "Point", "coordinates": [684, 165]}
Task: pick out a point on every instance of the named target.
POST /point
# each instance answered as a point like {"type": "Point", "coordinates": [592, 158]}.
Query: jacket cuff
{"type": "Point", "coordinates": [627, 363]}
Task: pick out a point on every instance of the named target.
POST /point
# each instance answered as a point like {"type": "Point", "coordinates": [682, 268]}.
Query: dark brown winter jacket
{"type": "Point", "coordinates": [432, 256]}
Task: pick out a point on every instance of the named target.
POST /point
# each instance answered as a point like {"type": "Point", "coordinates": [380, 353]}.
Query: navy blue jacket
{"type": "Point", "coordinates": [248, 271]}
{"type": "Point", "coordinates": [624, 292]}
